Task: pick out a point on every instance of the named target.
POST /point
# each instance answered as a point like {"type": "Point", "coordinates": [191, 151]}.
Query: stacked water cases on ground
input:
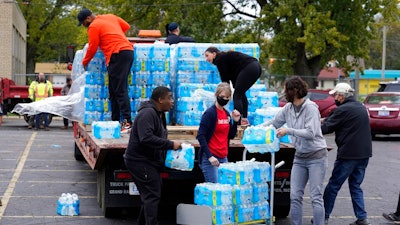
{"type": "Point", "coordinates": [241, 194]}
{"type": "Point", "coordinates": [150, 68]}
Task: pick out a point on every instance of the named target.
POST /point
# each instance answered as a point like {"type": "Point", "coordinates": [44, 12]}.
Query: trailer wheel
{"type": "Point", "coordinates": [78, 154]}
{"type": "Point", "coordinates": [100, 186]}
{"type": "Point", "coordinates": [49, 119]}
{"type": "Point", "coordinates": [281, 211]}
{"type": "Point", "coordinates": [108, 212]}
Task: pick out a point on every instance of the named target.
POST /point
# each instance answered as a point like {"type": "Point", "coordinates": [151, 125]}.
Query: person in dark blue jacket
{"type": "Point", "coordinates": [216, 128]}
{"type": "Point", "coordinates": [239, 68]}
{"type": "Point", "coordinates": [350, 122]}
{"type": "Point", "coordinates": [173, 36]}
{"type": "Point", "coordinates": [145, 154]}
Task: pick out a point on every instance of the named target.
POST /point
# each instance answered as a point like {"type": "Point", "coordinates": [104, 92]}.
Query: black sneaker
{"type": "Point", "coordinates": [361, 222]}
{"type": "Point", "coordinates": [391, 217]}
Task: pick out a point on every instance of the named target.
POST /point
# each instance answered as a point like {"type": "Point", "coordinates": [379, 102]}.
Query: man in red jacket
{"type": "Point", "coordinates": [108, 32]}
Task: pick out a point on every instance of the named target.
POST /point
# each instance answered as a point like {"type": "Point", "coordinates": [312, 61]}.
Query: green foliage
{"type": "Point", "coordinates": [302, 35]}
{"type": "Point", "coordinates": [50, 30]}
{"type": "Point", "coordinates": [307, 34]}
{"type": "Point", "coordinates": [198, 19]}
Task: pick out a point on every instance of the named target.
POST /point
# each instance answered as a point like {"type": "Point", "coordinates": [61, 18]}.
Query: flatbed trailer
{"type": "Point", "coordinates": [116, 190]}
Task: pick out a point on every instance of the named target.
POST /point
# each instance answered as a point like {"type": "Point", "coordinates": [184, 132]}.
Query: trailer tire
{"type": "Point", "coordinates": [78, 154]}
{"type": "Point", "coordinates": [281, 211]}
{"type": "Point", "coordinates": [49, 119]}
{"type": "Point", "coordinates": [100, 187]}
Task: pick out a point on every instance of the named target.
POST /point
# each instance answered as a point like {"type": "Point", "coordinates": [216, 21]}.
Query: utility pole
{"type": "Point", "coordinates": [357, 81]}
{"type": "Point", "coordinates": [383, 52]}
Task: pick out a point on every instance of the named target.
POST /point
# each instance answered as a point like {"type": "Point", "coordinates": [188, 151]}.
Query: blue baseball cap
{"type": "Point", "coordinates": [83, 14]}
{"type": "Point", "coordinates": [172, 26]}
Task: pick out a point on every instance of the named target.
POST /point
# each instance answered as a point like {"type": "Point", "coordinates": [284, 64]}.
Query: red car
{"type": "Point", "coordinates": [325, 101]}
{"type": "Point", "coordinates": [383, 109]}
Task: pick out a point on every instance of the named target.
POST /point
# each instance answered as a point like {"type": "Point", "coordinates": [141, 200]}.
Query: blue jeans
{"type": "Point", "coordinates": [45, 117]}
{"type": "Point", "coordinates": [354, 171]}
{"type": "Point", "coordinates": [210, 172]}
{"type": "Point", "coordinates": [303, 171]}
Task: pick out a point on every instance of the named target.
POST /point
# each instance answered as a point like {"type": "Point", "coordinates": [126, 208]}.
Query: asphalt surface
{"type": "Point", "coordinates": [36, 167]}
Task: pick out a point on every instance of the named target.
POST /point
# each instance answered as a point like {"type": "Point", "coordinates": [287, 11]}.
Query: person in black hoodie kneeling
{"type": "Point", "coordinates": [145, 154]}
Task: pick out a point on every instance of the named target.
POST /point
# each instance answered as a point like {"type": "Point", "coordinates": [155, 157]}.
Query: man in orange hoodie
{"type": "Point", "coordinates": [108, 32]}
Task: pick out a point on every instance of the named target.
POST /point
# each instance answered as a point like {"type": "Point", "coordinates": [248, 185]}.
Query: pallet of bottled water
{"type": "Point", "coordinates": [68, 205]}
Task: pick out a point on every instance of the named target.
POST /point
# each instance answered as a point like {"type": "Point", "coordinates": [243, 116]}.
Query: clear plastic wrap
{"type": "Point", "coordinates": [71, 106]}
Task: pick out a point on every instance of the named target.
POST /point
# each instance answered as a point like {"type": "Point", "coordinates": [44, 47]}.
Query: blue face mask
{"type": "Point", "coordinates": [221, 101]}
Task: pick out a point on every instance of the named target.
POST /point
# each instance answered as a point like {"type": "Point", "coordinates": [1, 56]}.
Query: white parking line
{"type": "Point", "coordinates": [11, 186]}
{"type": "Point", "coordinates": [53, 217]}
{"type": "Point", "coordinates": [49, 196]}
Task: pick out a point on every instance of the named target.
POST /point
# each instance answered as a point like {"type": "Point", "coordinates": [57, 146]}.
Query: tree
{"type": "Point", "coordinates": [392, 54]}
{"type": "Point", "coordinates": [50, 30]}
{"type": "Point", "coordinates": [198, 19]}
{"type": "Point", "coordinates": [301, 35]}
{"type": "Point", "coordinates": [309, 33]}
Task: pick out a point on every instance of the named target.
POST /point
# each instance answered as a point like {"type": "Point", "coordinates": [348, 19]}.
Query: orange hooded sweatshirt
{"type": "Point", "coordinates": [107, 32]}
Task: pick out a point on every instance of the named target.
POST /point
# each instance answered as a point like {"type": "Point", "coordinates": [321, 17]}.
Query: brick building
{"type": "Point", "coordinates": [13, 39]}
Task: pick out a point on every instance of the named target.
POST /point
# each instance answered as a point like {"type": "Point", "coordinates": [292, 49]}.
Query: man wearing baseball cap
{"type": "Point", "coordinates": [108, 32]}
{"type": "Point", "coordinates": [350, 122]}
{"type": "Point", "coordinates": [173, 36]}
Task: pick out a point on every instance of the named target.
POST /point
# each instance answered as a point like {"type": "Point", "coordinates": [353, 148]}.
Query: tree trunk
{"type": "Point", "coordinates": [307, 69]}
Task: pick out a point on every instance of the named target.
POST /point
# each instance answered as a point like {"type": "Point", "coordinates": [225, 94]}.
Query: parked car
{"type": "Point", "coordinates": [383, 109]}
{"type": "Point", "coordinates": [325, 101]}
{"type": "Point", "coordinates": [389, 86]}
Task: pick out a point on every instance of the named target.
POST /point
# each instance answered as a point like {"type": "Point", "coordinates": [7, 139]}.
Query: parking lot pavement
{"type": "Point", "coordinates": [36, 167]}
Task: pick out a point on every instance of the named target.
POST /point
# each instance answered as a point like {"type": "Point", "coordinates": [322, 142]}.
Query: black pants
{"type": "Point", "coordinates": [65, 121]}
{"type": "Point", "coordinates": [245, 79]}
{"type": "Point", "coordinates": [148, 181]}
{"type": "Point", "coordinates": [119, 69]}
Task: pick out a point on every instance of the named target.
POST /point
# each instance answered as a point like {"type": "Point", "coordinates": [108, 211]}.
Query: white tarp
{"type": "Point", "coordinates": [70, 106]}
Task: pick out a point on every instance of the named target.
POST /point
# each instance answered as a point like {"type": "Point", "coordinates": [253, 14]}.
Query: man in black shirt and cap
{"type": "Point", "coordinates": [173, 34]}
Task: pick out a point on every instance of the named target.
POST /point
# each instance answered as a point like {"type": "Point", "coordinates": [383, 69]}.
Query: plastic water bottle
{"type": "Point", "coordinates": [68, 205]}
{"type": "Point", "coordinates": [76, 204]}
{"type": "Point", "coordinates": [61, 203]}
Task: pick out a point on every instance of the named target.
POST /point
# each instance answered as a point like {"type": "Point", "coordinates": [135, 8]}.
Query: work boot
{"type": "Point", "coordinates": [29, 126]}
{"type": "Point", "coordinates": [361, 222]}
